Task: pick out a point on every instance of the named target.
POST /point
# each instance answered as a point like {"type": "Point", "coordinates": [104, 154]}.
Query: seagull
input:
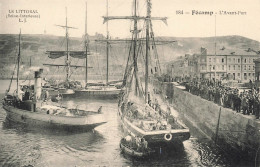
{"type": "Point", "coordinates": [223, 48]}
{"type": "Point", "coordinates": [248, 50]}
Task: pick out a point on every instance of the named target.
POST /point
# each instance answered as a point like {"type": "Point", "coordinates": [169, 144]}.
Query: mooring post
{"type": "Point", "coordinates": [217, 129]}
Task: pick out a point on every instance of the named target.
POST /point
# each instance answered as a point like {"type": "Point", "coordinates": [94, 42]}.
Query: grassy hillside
{"type": "Point", "coordinates": [33, 48]}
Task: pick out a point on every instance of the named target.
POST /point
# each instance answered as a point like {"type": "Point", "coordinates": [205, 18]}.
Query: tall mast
{"type": "Point", "coordinates": [107, 47]}
{"type": "Point", "coordinates": [135, 32]}
{"type": "Point", "coordinates": [135, 43]}
{"type": "Point", "coordinates": [18, 64]}
{"type": "Point", "coordinates": [86, 46]}
{"type": "Point", "coordinates": [147, 49]}
{"type": "Point", "coordinates": [67, 50]}
{"type": "Point", "coordinates": [215, 50]}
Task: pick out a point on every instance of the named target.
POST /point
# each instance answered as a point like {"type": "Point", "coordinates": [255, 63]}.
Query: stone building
{"type": "Point", "coordinates": [257, 71]}
{"type": "Point", "coordinates": [222, 65]}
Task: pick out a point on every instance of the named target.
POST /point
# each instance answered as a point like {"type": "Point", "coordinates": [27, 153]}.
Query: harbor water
{"type": "Point", "coordinates": [21, 146]}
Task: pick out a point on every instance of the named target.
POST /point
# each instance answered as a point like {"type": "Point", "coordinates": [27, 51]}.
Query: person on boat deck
{"type": "Point", "coordinates": [20, 94]}
{"type": "Point", "coordinates": [46, 95]}
{"type": "Point", "coordinates": [158, 125]}
{"type": "Point", "coordinates": [132, 142]}
{"type": "Point", "coordinates": [144, 144]}
{"type": "Point", "coordinates": [129, 104]}
{"type": "Point", "coordinates": [135, 113]}
{"type": "Point", "coordinates": [150, 103]}
{"type": "Point", "coordinates": [26, 95]}
{"type": "Point", "coordinates": [128, 138]}
{"type": "Point", "coordinates": [138, 142]}
{"type": "Point", "coordinates": [58, 98]}
{"type": "Point", "coordinates": [168, 112]}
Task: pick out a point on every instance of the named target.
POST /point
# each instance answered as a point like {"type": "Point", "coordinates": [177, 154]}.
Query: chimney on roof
{"type": "Point", "coordinates": [203, 51]}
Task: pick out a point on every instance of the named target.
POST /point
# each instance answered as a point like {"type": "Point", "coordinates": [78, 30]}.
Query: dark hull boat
{"type": "Point", "coordinates": [158, 134]}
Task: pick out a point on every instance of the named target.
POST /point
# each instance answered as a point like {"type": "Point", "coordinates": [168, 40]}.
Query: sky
{"type": "Point", "coordinates": [52, 12]}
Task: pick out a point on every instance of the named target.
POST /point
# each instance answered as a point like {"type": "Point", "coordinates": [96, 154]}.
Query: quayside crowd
{"type": "Point", "coordinates": [246, 101]}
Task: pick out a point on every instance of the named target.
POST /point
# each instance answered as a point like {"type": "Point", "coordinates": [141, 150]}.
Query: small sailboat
{"type": "Point", "coordinates": [31, 109]}
{"type": "Point", "coordinates": [133, 149]}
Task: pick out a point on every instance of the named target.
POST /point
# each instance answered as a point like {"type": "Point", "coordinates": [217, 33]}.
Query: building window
{"type": "Point", "coordinates": [249, 75]}
{"type": "Point", "coordinates": [209, 59]}
{"type": "Point", "coordinates": [238, 60]}
{"type": "Point", "coordinates": [239, 67]}
{"type": "Point", "coordinates": [213, 67]}
{"type": "Point", "coordinates": [223, 67]}
{"type": "Point", "coordinates": [253, 67]}
{"type": "Point", "coordinates": [234, 67]}
{"type": "Point", "coordinates": [229, 67]}
{"type": "Point", "coordinates": [245, 60]}
{"type": "Point", "coordinates": [214, 60]}
{"type": "Point", "coordinates": [245, 76]}
{"type": "Point", "coordinates": [248, 67]}
{"type": "Point", "coordinates": [234, 60]}
{"type": "Point", "coordinates": [238, 74]}
{"type": "Point", "coordinates": [244, 67]}
{"type": "Point", "coordinates": [223, 60]}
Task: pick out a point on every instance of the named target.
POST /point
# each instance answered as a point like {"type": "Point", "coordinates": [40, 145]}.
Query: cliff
{"type": "Point", "coordinates": [33, 49]}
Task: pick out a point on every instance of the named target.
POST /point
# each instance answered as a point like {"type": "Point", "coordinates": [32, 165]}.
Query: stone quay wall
{"type": "Point", "coordinates": [233, 129]}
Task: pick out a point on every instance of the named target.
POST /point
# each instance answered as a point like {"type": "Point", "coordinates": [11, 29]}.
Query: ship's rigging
{"type": "Point", "coordinates": [69, 53]}
{"type": "Point", "coordinates": [131, 71]}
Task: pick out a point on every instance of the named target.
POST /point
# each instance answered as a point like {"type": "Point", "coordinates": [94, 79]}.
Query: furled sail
{"type": "Point", "coordinates": [74, 54]}
{"type": "Point", "coordinates": [78, 54]}
{"type": "Point", "coordinates": [56, 54]}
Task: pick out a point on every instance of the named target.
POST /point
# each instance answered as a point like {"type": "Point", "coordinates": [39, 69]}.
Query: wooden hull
{"type": "Point", "coordinates": [66, 93]}
{"type": "Point", "coordinates": [104, 93]}
{"type": "Point", "coordinates": [131, 152]}
{"type": "Point", "coordinates": [101, 94]}
{"type": "Point", "coordinates": [42, 120]}
{"type": "Point", "coordinates": [156, 138]}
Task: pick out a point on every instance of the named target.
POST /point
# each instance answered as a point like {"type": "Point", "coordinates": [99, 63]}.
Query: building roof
{"type": "Point", "coordinates": [222, 50]}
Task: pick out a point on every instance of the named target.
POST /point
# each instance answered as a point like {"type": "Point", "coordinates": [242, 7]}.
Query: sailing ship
{"type": "Point", "coordinates": [33, 110]}
{"type": "Point", "coordinates": [67, 87]}
{"type": "Point", "coordinates": [140, 114]}
{"type": "Point", "coordinates": [98, 90]}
